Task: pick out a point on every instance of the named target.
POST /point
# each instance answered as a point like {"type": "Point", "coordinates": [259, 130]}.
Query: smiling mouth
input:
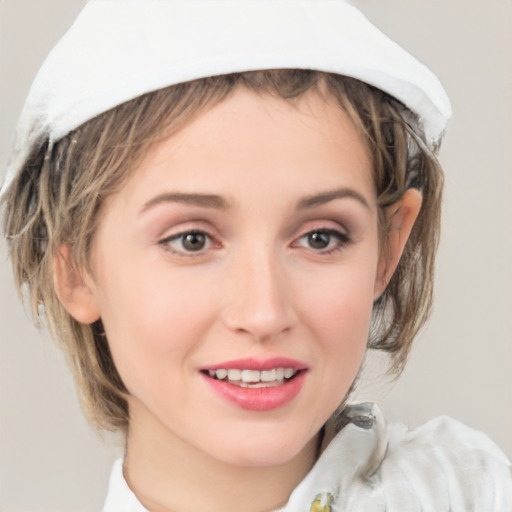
{"type": "Point", "coordinates": [253, 378]}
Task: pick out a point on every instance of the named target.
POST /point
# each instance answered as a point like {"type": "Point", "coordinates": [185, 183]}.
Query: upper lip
{"type": "Point", "coordinates": [258, 364]}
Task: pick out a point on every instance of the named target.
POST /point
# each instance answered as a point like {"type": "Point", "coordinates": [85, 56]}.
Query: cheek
{"type": "Point", "coordinates": [339, 312]}
{"type": "Point", "coordinates": [341, 304]}
{"type": "Point", "coordinates": [152, 318]}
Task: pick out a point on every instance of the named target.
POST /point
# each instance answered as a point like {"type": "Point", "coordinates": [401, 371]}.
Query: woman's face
{"type": "Point", "coordinates": [235, 274]}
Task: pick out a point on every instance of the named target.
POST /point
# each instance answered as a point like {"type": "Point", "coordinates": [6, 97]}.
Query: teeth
{"type": "Point", "coordinates": [221, 374]}
{"type": "Point", "coordinates": [289, 372]}
{"type": "Point", "coordinates": [253, 378]}
{"type": "Point", "coordinates": [234, 374]}
{"type": "Point", "coordinates": [268, 375]}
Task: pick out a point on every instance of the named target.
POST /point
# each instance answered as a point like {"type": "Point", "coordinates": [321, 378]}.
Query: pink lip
{"type": "Point", "coordinates": [258, 399]}
{"type": "Point", "coordinates": [259, 364]}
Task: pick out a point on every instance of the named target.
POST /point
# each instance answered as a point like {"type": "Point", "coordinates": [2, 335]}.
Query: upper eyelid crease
{"type": "Point", "coordinates": [340, 235]}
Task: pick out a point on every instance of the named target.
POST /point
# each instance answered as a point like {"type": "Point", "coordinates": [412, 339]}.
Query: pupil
{"type": "Point", "coordinates": [194, 241]}
{"type": "Point", "coordinates": [319, 240]}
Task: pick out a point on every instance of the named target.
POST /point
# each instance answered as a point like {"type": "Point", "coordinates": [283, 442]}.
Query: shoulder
{"type": "Point", "coordinates": [445, 435]}
{"type": "Point", "coordinates": [443, 466]}
{"type": "Point", "coordinates": [462, 467]}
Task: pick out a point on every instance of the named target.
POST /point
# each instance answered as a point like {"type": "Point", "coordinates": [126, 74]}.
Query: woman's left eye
{"type": "Point", "coordinates": [193, 241]}
{"type": "Point", "coordinates": [324, 240]}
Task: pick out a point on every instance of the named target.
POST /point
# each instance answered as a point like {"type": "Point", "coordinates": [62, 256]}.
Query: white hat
{"type": "Point", "coordinates": [120, 49]}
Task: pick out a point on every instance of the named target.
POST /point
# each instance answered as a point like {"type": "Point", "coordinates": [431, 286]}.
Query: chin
{"type": "Point", "coordinates": [265, 449]}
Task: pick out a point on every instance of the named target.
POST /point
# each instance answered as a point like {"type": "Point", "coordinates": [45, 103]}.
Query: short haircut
{"type": "Point", "coordinates": [57, 200]}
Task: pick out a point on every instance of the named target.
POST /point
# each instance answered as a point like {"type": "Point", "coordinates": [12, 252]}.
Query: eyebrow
{"type": "Point", "coordinates": [202, 200]}
{"type": "Point", "coordinates": [219, 203]}
{"type": "Point", "coordinates": [330, 195]}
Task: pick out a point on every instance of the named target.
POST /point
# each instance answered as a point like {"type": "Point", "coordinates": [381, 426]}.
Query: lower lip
{"type": "Point", "coordinates": [258, 399]}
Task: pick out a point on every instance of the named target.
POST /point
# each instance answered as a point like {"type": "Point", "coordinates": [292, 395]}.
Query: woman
{"type": "Point", "coordinates": [396, 217]}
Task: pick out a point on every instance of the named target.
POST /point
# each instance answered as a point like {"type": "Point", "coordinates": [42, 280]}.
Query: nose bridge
{"type": "Point", "coordinates": [260, 303]}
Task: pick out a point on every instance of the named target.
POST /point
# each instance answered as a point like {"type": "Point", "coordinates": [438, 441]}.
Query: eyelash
{"type": "Point", "coordinates": [166, 242]}
{"type": "Point", "coordinates": [342, 241]}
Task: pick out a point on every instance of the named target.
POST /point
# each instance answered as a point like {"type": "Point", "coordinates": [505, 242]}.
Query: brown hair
{"type": "Point", "coordinates": [57, 199]}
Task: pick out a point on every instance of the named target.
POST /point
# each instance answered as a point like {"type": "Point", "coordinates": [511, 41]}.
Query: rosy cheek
{"type": "Point", "coordinates": [169, 316]}
{"type": "Point", "coordinates": [345, 299]}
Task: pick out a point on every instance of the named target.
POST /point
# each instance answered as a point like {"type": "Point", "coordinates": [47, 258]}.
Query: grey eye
{"type": "Point", "coordinates": [324, 241]}
{"type": "Point", "coordinates": [319, 239]}
{"type": "Point", "coordinates": [188, 242]}
{"type": "Point", "coordinates": [193, 241]}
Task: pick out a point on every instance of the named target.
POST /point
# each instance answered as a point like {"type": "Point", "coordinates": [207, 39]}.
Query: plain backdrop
{"type": "Point", "coordinates": [461, 365]}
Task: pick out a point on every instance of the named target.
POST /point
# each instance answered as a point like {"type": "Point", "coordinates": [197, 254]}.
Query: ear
{"type": "Point", "coordinates": [74, 288]}
{"type": "Point", "coordinates": [401, 218]}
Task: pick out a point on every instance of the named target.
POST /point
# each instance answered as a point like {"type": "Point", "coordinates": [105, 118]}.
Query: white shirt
{"type": "Point", "coordinates": [368, 466]}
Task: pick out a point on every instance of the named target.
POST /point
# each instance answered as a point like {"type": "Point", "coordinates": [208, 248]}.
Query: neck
{"type": "Point", "coordinates": [169, 475]}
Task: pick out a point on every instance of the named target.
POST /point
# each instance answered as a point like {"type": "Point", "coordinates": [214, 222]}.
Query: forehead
{"type": "Point", "coordinates": [257, 129]}
{"type": "Point", "coordinates": [257, 143]}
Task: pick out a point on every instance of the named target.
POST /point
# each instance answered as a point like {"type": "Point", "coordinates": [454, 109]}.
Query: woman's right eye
{"type": "Point", "coordinates": [193, 241]}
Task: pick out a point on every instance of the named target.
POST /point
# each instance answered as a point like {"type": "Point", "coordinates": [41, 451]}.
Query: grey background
{"type": "Point", "coordinates": [461, 365]}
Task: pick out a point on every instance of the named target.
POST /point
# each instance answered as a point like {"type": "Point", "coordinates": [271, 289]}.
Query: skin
{"type": "Point", "coordinates": [258, 288]}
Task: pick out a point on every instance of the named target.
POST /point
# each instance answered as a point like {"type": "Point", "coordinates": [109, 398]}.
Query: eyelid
{"type": "Point", "coordinates": [342, 236]}
{"type": "Point", "coordinates": [323, 224]}
{"type": "Point", "coordinates": [165, 242]}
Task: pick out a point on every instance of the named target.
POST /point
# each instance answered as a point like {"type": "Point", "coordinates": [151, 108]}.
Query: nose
{"type": "Point", "coordinates": [260, 300]}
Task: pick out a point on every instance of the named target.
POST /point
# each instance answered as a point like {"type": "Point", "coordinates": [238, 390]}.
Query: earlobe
{"type": "Point", "coordinates": [401, 218]}
{"type": "Point", "coordinates": [74, 290]}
